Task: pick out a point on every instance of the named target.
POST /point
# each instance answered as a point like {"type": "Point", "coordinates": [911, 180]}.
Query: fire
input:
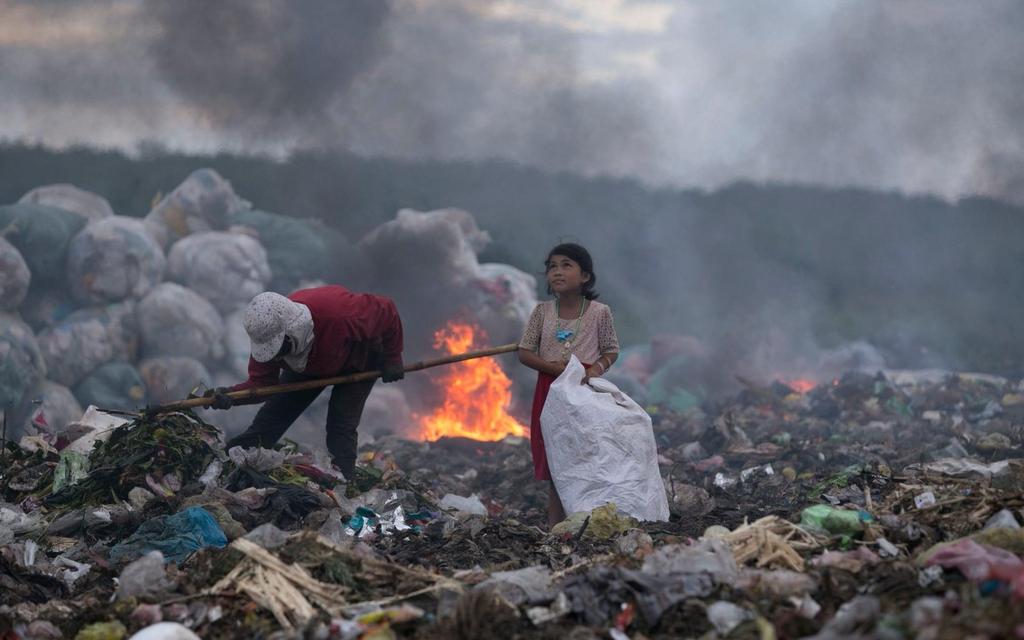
{"type": "Point", "coordinates": [801, 385]}
{"type": "Point", "coordinates": [477, 392]}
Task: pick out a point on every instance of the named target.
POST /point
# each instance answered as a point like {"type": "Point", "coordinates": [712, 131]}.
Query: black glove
{"type": "Point", "coordinates": [392, 372]}
{"type": "Point", "coordinates": [221, 400]}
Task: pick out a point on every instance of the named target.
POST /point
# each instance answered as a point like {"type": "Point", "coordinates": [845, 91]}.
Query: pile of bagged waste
{"type": "Point", "coordinates": [122, 312]}
{"type": "Point", "coordinates": [885, 505]}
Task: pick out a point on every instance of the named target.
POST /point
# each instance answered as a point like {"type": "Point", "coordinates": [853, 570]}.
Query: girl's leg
{"type": "Point", "coordinates": [555, 511]}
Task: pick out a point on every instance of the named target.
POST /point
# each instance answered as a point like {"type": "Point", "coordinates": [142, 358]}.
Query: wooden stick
{"type": "Point", "coordinates": [262, 392]}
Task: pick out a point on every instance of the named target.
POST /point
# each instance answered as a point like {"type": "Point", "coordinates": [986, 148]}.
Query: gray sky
{"type": "Point", "coordinates": [914, 95]}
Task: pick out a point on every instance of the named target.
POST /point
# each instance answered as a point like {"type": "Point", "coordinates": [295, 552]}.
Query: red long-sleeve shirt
{"type": "Point", "coordinates": [345, 327]}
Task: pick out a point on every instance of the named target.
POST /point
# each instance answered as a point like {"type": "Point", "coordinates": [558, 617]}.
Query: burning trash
{"type": "Point", "coordinates": [477, 393]}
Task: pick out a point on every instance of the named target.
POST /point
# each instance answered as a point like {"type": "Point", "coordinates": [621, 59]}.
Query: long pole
{"type": "Point", "coordinates": [262, 392]}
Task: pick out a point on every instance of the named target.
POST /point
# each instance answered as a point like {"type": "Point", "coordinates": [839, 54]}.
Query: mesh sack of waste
{"type": "Point", "coordinates": [114, 385]}
{"type": "Point", "coordinates": [600, 447]}
{"type": "Point", "coordinates": [42, 234]}
{"type": "Point", "coordinates": [46, 306]}
{"type": "Point", "coordinates": [87, 339]}
{"type": "Point", "coordinates": [228, 269]}
{"type": "Point", "coordinates": [68, 197]}
{"type": "Point", "coordinates": [160, 453]}
{"type": "Point", "coordinates": [203, 202]}
{"type": "Point", "coordinates": [237, 345]}
{"type": "Point", "coordinates": [47, 408]}
{"type": "Point", "coordinates": [14, 276]}
{"type": "Point", "coordinates": [113, 259]}
{"type": "Point", "coordinates": [172, 378]}
{"type": "Point", "coordinates": [21, 364]}
{"type": "Point", "coordinates": [174, 320]}
{"type": "Point", "coordinates": [298, 250]}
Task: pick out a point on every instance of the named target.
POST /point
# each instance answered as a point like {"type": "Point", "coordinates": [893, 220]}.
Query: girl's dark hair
{"type": "Point", "coordinates": [580, 256]}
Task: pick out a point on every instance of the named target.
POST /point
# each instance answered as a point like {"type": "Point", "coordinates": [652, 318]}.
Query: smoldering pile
{"type": "Point", "coordinates": [877, 505]}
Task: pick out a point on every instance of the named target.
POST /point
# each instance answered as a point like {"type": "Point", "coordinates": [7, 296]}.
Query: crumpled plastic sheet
{"type": "Point", "coordinates": [113, 259]}
{"type": "Point", "coordinates": [463, 504]}
{"type": "Point", "coordinates": [71, 468]}
{"type": "Point", "coordinates": [980, 562]}
{"type": "Point", "coordinates": [144, 578]}
{"type": "Point", "coordinates": [88, 338]}
{"type": "Point", "coordinates": [270, 537]}
{"type": "Point", "coordinates": [14, 276]}
{"type": "Point", "coordinates": [596, 595]}
{"type": "Point", "coordinates": [257, 458]}
{"type": "Point", "coordinates": [203, 202]}
{"type": "Point", "coordinates": [228, 269]}
{"type": "Point", "coordinates": [859, 613]}
{"type": "Point", "coordinates": [176, 321]}
{"type": "Point", "coordinates": [21, 362]}
{"type": "Point", "coordinates": [73, 572]}
{"type": "Point", "coordinates": [176, 536]}
{"type": "Point", "coordinates": [530, 585]}
{"type": "Point", "coordinates": [711, 557]}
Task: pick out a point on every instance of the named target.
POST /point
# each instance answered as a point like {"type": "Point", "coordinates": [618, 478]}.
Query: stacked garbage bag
{"type": "Point", "coordinates": [118, 311]}
{"type": "Point", "coordinates": [98, 308]}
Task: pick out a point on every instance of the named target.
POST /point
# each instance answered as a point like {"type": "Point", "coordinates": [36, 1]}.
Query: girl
{"type": "Point", "coordinates": [572, 323]}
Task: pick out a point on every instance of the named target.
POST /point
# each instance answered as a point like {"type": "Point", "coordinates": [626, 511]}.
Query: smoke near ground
{"type": "Point", "coordinates": [913, 96]}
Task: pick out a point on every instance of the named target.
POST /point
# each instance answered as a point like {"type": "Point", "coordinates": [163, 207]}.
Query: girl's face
{"type": "Point", "coordinates": [565, 275]}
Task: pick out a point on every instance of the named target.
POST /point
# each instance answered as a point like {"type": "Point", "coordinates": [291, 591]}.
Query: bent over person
{"type": "Point", "coordinates": [317, 333]}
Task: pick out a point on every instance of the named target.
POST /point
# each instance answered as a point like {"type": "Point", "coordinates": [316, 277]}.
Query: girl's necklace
{"type": "Point", "coordinates": [566, 335]}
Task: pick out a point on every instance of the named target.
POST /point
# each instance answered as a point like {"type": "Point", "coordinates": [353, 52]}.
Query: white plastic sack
{"type": "Point", "coordinates": [203, 202]}
{"type": "Point", "coordinates": [601, 448]}
{"type": "Point", "coordinates": [88, 338]}
{"type": "Point", "coordinates": [21, 362]}
{"type": "Point", "coordinates": [112, 259]}
{"type": "Point", "coordinates": [228, 269]}
{"type": "Point", "coordinates": [94, 426]}
{"type": "Point", "coordinates": [175, 321]}
{"type": "Point", "coordinates": [68, 197]}
{"type": "Point", "coordinates": [14, 276]}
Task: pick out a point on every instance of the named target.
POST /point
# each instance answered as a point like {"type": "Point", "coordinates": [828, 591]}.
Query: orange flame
{"type": "Point", "coordinates": [801, 385]}
{"type": "Point", "coordinates": [477, 392]}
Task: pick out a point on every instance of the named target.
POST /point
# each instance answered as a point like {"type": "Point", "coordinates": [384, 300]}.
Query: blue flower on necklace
{"type": "Point", "coordinates": [563, 334]}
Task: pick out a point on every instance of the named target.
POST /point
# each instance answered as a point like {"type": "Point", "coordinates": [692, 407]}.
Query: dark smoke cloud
{"type": "Point", "coordinates": [915, 96]}
{"type": "Point", "coordinates": [266, 65]}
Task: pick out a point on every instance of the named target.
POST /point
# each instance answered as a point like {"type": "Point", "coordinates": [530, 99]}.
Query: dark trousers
{"type": "Point", "coordinates": [343, 414]}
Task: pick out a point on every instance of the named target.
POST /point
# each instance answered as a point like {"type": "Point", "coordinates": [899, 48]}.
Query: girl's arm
{"type": "Point", "coordinates": [603, 364]}
{"type": "Point", "coordinates": [532, 360]}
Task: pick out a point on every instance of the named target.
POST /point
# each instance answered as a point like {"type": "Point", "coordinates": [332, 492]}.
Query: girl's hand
{"type": "Point", "coordinates": [592, 372]}
{"type": "Point", "coordinates": [557, 367]}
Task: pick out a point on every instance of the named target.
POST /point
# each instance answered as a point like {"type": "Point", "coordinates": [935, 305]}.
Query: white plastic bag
{"type": "Point", "coordinates": [601, 448]}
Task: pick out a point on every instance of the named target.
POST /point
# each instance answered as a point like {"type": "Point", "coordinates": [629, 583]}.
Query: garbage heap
{"type": "Point", "coordinates": [881, 505]}
{"type": "Point", "coordinates": [122, 312]}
